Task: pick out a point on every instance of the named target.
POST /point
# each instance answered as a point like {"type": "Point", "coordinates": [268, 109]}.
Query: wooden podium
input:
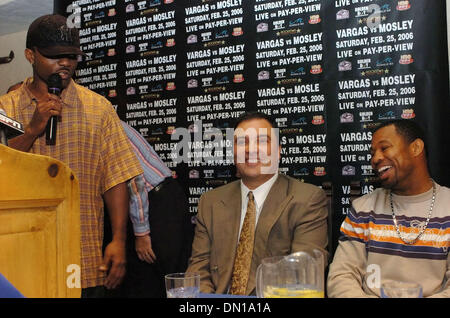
{"type": "Point", "coordinates": [39, 225]}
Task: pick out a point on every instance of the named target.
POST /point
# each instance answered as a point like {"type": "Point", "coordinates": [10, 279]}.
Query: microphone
{"type": "Point", "coordinates": [9, 128]}
{"type": "Point", "coordinates": [54, 84]}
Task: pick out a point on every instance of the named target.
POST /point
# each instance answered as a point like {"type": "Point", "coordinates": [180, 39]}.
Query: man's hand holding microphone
{"type": "Point", "coordinates": [47, 111]}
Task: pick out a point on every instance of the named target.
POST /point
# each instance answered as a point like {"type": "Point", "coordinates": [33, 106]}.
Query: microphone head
{"type": "Point", "coordinates": [54, 81]}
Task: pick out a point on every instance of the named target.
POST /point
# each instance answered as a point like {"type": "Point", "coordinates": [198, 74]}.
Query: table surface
{"type": "Point", "coordinates": [7, 290]}
{"type": "Point", "coordinates": [204, 295]}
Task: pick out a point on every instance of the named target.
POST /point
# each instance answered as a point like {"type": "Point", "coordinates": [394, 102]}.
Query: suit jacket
{"type": "Point", "coordinates": [293, 218]}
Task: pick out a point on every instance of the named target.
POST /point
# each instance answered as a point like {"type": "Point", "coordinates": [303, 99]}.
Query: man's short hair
{"type": "Point", "coordinates": [254, 115]}
{"type": "Point", "coordinates": [406, 128]}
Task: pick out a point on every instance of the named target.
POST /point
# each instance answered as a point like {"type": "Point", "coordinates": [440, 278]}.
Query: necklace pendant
{"type": "Point", "coordinates": [422, 226]}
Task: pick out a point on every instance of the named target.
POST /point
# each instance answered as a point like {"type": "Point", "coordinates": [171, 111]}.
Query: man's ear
{"type": "Point", "coordinates": [417, 147]}
{"type": "Point", "coordinates": [29, 55]}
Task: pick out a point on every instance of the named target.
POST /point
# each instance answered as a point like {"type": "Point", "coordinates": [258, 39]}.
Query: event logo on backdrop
{"type": "Point", "coordinates": [327, 72]}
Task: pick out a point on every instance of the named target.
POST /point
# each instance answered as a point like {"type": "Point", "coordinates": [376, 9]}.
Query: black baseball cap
{"type": "Point", "coordinates": [51, 36]}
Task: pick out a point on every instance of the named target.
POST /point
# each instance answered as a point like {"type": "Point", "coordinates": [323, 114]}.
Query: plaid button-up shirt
{"type": "Point", "coordinates": [91, 141]}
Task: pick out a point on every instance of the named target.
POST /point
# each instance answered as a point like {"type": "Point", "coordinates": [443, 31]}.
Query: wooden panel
{"type": "Point", "coordinates": [39, 224]}
{"type": "Point", "coordinates": [28, 240]}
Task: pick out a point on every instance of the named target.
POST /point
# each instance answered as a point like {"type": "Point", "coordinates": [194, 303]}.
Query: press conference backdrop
{"type": "Point", "coordinates": [326, 71]}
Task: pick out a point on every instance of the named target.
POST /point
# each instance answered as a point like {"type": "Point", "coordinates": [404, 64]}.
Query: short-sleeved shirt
{"type": "Point", "coordinates": [91, 141]}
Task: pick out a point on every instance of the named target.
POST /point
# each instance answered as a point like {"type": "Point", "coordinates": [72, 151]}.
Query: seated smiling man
{"type": "Point", "coordinates": [261, 215]}
{"type": "Point", "coordinates": [399, 232]}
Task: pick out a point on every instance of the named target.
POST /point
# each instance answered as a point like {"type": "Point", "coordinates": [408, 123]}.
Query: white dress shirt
{"type": "Point", "coordinates": [260, 195]}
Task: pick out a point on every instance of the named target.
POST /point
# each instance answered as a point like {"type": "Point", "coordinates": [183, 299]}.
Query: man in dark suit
{"type": "Point", "coordinates": [287, 215]}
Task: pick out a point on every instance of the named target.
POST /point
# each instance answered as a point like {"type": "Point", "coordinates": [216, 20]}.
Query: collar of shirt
{"type": "Point", "coordinates": [67, 94]}
{"type": "Point", "coordinates": [260, 195]}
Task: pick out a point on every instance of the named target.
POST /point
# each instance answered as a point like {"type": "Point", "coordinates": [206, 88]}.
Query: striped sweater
{"type": "Point", "coordinates": [370, 251]}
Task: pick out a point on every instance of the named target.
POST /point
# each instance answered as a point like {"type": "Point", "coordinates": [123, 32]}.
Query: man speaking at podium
{"type": "Point", "coordinates": [86, 135]}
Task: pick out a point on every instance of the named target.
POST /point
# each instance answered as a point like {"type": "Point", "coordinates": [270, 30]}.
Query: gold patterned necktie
{"type": "Point", "coordinates": [243, 260]}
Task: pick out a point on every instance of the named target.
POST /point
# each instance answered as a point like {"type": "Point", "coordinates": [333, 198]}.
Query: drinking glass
{"type": "Point", "coordinates": [182, 285]}
{"type": "Point", "coordinates": [395, 289]}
